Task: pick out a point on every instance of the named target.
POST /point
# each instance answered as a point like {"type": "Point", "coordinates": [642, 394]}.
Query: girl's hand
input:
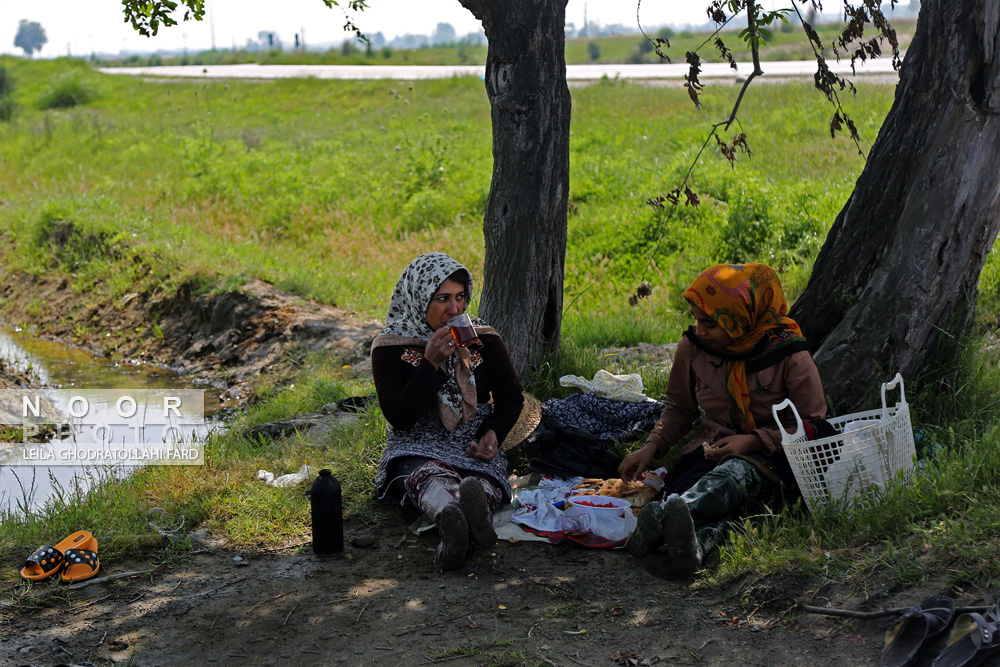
{"type": "Point", "coordinates": [732, 446]}
{"type": "Point", "coordinates": [635, 464]}
{"type": "Point", "coordinates": [440, 346]}
{"type": "Point", "coordinates": [487, 447]}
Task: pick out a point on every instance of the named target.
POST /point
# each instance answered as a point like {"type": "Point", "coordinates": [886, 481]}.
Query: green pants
{"type": "Point", "coordinates": [715, 498]}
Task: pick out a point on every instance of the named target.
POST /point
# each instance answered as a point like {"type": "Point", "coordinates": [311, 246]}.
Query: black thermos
{"type": "Point", "coordinates": [327, 514]}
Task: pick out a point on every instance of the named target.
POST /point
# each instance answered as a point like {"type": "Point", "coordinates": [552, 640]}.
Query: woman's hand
{"type": "Point", "coordinates": [732, 446]}
{"type": "Point", "coordinates": [487, 447]}
{"type": "Point", "coordinates": [635, 464]}
{"type": "Point", "coordinates": [440, 346]}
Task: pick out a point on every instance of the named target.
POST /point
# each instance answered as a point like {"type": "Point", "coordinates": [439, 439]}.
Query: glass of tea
{"type": "Point", "coordinates": [462, 329]}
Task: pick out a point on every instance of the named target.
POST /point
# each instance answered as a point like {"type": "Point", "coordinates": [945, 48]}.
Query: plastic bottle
{"type": "Point", "coordinates": [327, 514]}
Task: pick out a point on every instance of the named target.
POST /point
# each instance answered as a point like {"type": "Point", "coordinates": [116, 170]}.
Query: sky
{"type": "Point", "coordinates": [80, 27]}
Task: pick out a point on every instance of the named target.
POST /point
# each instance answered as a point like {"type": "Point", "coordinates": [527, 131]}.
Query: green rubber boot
{"type": "Point", "coordinates": [648, 534]}
{"type": "Point", "coordinates": [681, 539]}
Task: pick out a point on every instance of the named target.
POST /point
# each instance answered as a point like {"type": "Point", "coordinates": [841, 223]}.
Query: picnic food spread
{"type": "Point", "coordinates": [637, 493]}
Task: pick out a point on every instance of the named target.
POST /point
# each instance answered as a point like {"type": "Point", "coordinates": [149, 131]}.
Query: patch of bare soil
{"type": "Point", "coordinates": [221, 338]}
{"type": "Point", "coordinates": [384, 603]}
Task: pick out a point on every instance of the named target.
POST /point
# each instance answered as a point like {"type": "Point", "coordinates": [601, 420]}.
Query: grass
{"type": "Point", "coordinates": [939, 524]}
{"type": "Point", "coordinates": [212, 179]}
{"type": "Point", "coordinates": [223, 495]}
{"type": "Point", "coordinates": [943, 523]}
{"type": "Point", "coordinates": [158, 186]}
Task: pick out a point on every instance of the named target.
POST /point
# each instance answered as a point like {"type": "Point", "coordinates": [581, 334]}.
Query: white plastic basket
{"type": "Point", "coordinates": [869, 449]}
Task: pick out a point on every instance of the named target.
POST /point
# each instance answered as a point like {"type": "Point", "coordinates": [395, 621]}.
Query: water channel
{"type": "Point", "coordinates": [26, 484]}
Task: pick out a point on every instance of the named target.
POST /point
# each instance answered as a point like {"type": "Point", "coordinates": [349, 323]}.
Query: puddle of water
{"type": "Point", "coordinates": [27, 486]}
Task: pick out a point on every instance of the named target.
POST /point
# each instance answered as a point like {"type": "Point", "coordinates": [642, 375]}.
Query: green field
{"type": "Point", "coordinates": [328, 189]}
{"type": "Point", "coordinates": [352, 179]}
{"type": "Point", "coordinates": [787, 43]}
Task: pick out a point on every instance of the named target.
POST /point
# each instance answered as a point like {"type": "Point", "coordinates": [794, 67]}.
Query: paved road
{"type": "Point", "coordinates": [882, 66]}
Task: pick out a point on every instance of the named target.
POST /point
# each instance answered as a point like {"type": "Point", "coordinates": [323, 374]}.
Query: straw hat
{"type": "Point", "coordinates": [531, 415]}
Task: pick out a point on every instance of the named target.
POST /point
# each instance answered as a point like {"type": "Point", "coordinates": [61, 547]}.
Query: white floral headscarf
{"type": "Point", "coordinates": [406, 325]}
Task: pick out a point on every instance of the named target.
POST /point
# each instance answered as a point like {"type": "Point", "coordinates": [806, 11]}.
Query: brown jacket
{"type": "Point", "coordinates": [698, 384]}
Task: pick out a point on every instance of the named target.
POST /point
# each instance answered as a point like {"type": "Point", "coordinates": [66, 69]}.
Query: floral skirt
{"type": "Point", "coordinates": [429, 438]}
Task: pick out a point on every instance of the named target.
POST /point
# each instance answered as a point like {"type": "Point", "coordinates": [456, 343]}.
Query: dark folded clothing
{"type": "Point", "coordinates": [606, 418]}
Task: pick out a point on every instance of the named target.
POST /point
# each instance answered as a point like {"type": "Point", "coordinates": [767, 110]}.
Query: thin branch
{"type": "Point", "coordinates": [847, 613]}
{"type": "Point", "coordinates": [655, 42]}
{"type": "Point", "coordinates": [715, 33]}
{"type": "Point", "coordinates": [755, 52]}
{"type": "Point", "coordinates": [821, 63]}
{"type": "Point", "coordinates": [424, 626]}
{"type": "Point", "coordinates": [289, 616]}
{"type": "Point", "coordinates": [110, 577]}
{"type": "Point", "coordinates": [736, 107]}
{"type": "Point", "coordinates": [711, 36]}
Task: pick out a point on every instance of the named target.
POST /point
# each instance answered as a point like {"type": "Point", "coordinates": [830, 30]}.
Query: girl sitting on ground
{"type": "Point", "coordinates": [742, 356]}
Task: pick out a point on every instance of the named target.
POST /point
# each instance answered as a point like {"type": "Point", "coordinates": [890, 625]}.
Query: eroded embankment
{"type": "Point", "coordinates": [223, 338]}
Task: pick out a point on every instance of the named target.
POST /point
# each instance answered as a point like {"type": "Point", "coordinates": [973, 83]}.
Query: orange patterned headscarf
{"type": "Point", "coordinates": [747, 301]}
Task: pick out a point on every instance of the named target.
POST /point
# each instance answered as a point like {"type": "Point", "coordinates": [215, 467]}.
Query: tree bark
{"type": "Point", "coordinates": [525, 220]}
{"type": "Point", "coordinates": [898, 274]}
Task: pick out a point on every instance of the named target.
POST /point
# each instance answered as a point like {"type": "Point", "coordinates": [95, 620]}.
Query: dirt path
{"type": "Point", "coordinates": [521, 604]}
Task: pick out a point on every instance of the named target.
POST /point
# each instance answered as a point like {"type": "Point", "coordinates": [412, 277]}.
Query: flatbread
{"type": "Point", "coordinates": [637, 493]}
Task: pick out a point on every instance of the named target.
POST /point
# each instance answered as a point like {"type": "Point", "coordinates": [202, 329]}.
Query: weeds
{"type": "Point", "coordinates": [68, 89]}
{"type": "Point", "coordinates": [142, 510]}
{"type": "Point", "coordinates": [938, 523]}
{"type": "Point", "coordinates": [198, 187]}
{"type": "Point", "coordinates": [6, 98]}
{"type": "Point", "coordinates": [216, 181]}
{"type": "Point", "coordinates": [493, 653]}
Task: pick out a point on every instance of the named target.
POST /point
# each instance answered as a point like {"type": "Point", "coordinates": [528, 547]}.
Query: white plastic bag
{"type": "Point", "coordinates": [618, 387]}
{"type": "Point", "coordinates": [535, 510]}
{"type": "Point", "coordinates": [291, 479]}
{"type": "Point", "coordinates": [613, 526]}
{"type": "Point", "coordinates": [852, 473]}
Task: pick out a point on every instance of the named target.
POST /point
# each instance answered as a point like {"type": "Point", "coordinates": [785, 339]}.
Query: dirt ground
{"type": "Point", "coordinates": [382, 601]}
{"type": "Point", "coordinates": [385, 603]}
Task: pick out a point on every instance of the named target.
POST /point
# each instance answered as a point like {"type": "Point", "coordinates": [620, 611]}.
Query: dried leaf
{"type": "Point", "coordinates": [725, 52]}
{"type": "Point", "coordinates": [852, 129]}
{"type": "Point", "coordinates": [658, 44]}
{"type": "Point", "coordinates": [692, 197]}
{"type": "Point", "coordinates": [835, 125]}
{"type": "Point", "coordinates": [692, 82]}
{"type": "Point", "coordinates": [715, 12]}
{"type": "Point", "coordinates": [693, 94]}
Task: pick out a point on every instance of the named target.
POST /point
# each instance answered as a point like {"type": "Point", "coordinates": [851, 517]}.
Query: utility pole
{"type": "Point", "coordinates": [586, 33]}
{"type": "Point", "coordinates": [302, 35]}
{"type": "Point", "coordinates": [211, 23]}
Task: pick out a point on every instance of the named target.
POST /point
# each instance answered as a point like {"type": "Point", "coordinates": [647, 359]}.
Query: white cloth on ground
{"type": "Point", "coordinates": [291, 479]}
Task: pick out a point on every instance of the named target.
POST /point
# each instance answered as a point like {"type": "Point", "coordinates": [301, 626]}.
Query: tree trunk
{"type": "Point", "coordinates": [525, 221]}
{"type": "Point", "coordinates": [898, 275]}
